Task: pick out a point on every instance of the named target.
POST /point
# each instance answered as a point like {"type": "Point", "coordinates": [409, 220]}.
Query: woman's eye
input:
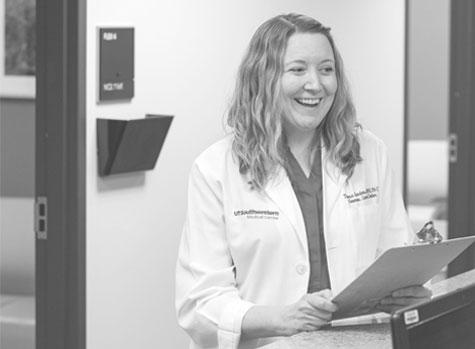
{"type": "Point", "coordinates": [327, 70]}
{"type": "Point", "coordinates": [297, 69]}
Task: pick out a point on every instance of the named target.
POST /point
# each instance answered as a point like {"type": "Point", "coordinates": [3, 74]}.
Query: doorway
{"type": "Point", "coordinates": [53, 257]}
{"type": "Point", "coordinates": [439, 120]}
{"type": "Point", "coordinates": [17, 178]}
{"type": "Point", "coordinates": [17, 243]}
{"type": "Point", "coordinates": [427, 114]}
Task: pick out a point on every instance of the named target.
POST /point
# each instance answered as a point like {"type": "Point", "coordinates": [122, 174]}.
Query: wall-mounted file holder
{"type": "Point", "coordinates": [130, 145]}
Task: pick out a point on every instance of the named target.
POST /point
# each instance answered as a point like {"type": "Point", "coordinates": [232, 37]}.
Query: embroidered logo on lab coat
{"type": "Point", "coordinates": [362, 195]}
{"type": "Point", "coordinates": [257, 214]}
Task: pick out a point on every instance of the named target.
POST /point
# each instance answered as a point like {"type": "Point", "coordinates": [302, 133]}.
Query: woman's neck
{"type": "Point", "coordinates": [302, 149]}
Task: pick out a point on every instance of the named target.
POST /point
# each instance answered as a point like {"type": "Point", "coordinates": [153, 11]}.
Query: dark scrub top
{"type": "Point", "coordinates": [309, 195]}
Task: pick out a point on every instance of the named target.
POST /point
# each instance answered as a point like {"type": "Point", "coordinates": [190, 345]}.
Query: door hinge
{"type": "Point", "coordinates": [41, 218]}
{"type": "Point", "coordinates": [453, 147]}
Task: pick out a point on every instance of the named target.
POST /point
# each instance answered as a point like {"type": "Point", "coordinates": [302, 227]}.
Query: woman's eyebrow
{"type": "Point", "coordinates": [301, 61]}
{"type": "Point", "coordinates": [328, 60]}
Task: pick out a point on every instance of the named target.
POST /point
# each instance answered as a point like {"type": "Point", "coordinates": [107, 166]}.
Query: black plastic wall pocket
{"type": "Point", "coordinates": [130, 145]}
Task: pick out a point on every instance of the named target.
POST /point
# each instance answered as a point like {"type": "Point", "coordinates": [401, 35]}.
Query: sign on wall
{"type": "Point", "coordinates": [116, 64]}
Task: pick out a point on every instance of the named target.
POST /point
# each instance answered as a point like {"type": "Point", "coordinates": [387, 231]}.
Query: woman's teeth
{"type": "Point", "coordinates": [310, 102]}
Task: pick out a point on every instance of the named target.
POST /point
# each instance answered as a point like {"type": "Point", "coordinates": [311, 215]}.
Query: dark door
{"type": "Point", "coordinates": [461, 206]}
{"type": "Point", "coordinates": [60, 174]}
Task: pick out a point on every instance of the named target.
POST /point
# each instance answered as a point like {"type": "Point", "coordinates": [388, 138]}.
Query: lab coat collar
{"type": "Point", "coordinates": [331, 171]}
{"type": "Point", "coordinates": [280, 191]}
{"type": "Point", "coordinates": [333, 181]}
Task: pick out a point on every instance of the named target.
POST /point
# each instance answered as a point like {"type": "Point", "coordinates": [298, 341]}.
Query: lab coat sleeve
{"type": "Point", "coordinates": [208, 305]}
{"type": "Point", "coordinates": [396, 227]}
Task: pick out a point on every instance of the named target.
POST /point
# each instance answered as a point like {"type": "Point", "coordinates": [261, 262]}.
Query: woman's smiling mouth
{"type": "Point", "coordinates": [308, 102]}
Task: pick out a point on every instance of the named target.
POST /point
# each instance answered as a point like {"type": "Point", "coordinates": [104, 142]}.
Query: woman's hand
{"type": "Point", "coordinates": [403, 297]}
{"type": "Point", "coordinates": [311, 312]}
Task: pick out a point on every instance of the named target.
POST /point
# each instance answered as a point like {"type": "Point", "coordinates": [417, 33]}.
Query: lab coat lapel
{"type": "Point", "coordinates": [333, 181]}
{"type": "Point", "coordinates": [280, 191]}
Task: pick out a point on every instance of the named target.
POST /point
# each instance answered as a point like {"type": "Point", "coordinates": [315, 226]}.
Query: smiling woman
{"type": "Point", "coordinates": [261, 97]}
{"type": "Point", "coordinates": [309, 85]}
{"type": "Point", "coordinates": [295, 150]}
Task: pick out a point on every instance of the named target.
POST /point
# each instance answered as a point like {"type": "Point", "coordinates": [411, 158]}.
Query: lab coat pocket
{"type": "Point", "coordinates": [336, 228]}
{"type": "Point", "coordinates": [366, 227]}
{"type": "Point", "coordinates": [366, 221]}
{"type": "Point", "coordinates": [332, 240]}
{"type": "Point", "coordinates": [252, 229]}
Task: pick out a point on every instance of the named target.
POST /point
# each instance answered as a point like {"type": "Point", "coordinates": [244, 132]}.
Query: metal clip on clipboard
{"type": "Point", "coordinates": [428, 234]}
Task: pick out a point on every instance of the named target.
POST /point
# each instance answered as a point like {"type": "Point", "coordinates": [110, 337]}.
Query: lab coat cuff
{"type": "Point", "coordinates": [229, 328]}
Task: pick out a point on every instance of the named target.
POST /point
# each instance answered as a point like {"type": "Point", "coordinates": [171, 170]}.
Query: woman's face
{"type": "Point", "coordinates": [309, 82]}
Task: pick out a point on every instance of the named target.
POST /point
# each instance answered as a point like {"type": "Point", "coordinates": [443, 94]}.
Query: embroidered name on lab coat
{"type": "Point", "coordinates": [362, 195]}
{"type": "Point", "coordinates": [257, 214]}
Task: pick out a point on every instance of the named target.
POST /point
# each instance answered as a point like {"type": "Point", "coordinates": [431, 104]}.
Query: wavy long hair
{"type": "Point", "coordinates": [255, 111]}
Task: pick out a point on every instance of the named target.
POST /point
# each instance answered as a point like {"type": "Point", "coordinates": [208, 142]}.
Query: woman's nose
{"type": "Point", "coordinates": [313, 82]}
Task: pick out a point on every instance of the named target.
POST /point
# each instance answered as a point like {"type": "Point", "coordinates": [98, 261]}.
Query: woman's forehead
{"type": "Point", "coordinates": [315, 46]}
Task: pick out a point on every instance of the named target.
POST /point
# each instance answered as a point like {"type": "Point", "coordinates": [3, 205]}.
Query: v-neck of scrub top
{"type": "Point", "coordinates": [309, 195]}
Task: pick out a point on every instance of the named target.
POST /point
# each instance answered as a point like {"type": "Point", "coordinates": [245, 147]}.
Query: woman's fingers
{"type": "Point", "coordinates": [321, 301]}
{"type": "Point", "coordinates": [404, 297]}
{"type": "Point", "coordinates": [310, 313]}
{"type": "Point", "coordinates": [412, 291]}
{"type": "Point", "coordinates": [326, 293]}
{"type": "Point", "coordinates": [320, 306]}
{"type": "Point", "coordinates": [400, 301]}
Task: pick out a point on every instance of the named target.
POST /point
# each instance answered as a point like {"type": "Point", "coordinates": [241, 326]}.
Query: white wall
{"type": "Point", "coordinates": [429, 69]}
{"type": "Point", "coordinates": [187, 53]}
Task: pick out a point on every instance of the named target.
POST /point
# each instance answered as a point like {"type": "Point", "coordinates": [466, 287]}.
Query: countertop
{"type": "Point", "coordinates": [371, 336]}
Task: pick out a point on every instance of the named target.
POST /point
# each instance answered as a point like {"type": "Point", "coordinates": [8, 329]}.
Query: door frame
{"type": "Point", "coordinates": [461, 203]}
{"type": "Point", "coordinates": [60, 173]}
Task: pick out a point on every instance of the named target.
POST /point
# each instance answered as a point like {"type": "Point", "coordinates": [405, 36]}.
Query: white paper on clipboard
{"type": "Point", "coordinates": [396, 268]}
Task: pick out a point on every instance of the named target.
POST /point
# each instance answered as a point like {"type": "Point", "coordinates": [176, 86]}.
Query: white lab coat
{"type": "Point", "coordinates": [241, 247]}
